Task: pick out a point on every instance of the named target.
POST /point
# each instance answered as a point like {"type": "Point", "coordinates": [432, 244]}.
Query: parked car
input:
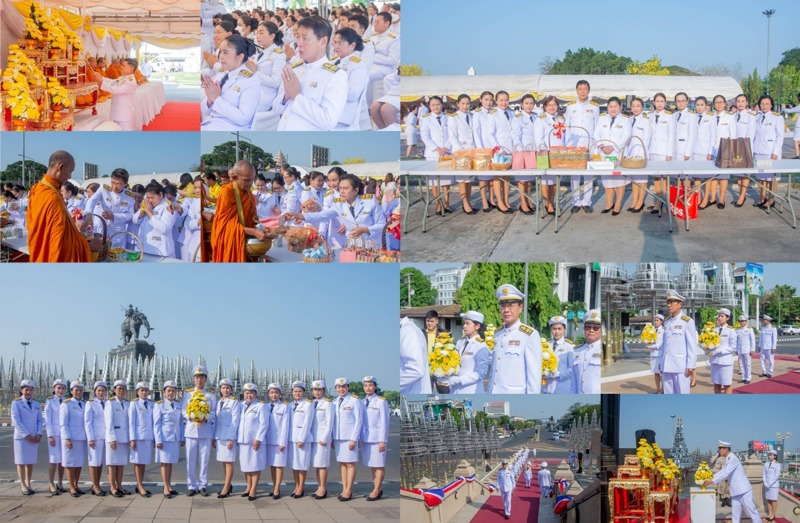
{"type": "Point", "coordinates": [788, 330]}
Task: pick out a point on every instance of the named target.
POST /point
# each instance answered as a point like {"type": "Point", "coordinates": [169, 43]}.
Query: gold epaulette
{"type": "Point", "coordinates": [381, 397]}
{"type": "Point", "coordinates": [710, 113]}
{"type": "Point", "coordinates": [297, 64]}
{"type": "Point", "coordinates": [135, 399]}
{"type": "Point", "coordinates": [776, 114]}
{"type": "Point", "coordinates": [569, 341]}
{"type": "Point", "coordinates": [366, 196]}
{"type": "Point", "coordinates": [595, 104]}
{"type": "Point", "coordinates": [426, 115]}
{"type": "Point", "coordinates": [543, 115]}
{"type": "Point", "coordinates": [685, 317]}
{"type": "Point", "coordinates": [449, 114]}
{"type": "Point", "coordinates": [278, 50]}
{"type": "Point", "coordinates": [246, 73]}
{"type": "Point", "coordinates": [328, 400]}
{"type": "Point", "coordinates": [106, 187]}
{"type": "Point", "coordinates": [285, 402]}
{"type": "Point", "coordinates": [129, 193]}
{"type": "Point", "coordinates": [329, 192]}
{"type": "Point", "coordinates": [476, 110]}
{"type": "Point", "coordinates": [752, 113]}
{"type": "Point", "coordinates": [572, 103]}
{"type": "Point", "coordinates": [392, 35]}
{"type": "Point", "coordinates": [330, 67]}
{"type": "Point", "coordinates": [492, 111]}
{"type": "Point", "coordinates": [307, 189]}
{"type": "Point", "coordinates": [667, 112]}
{"type": "Point", "coordinates": [355, 59]}
{"type": "Point", "coordinates": [190, 389]}
{"type": "Point", "coordinates": [526, 329]}
{"type": "Point", "coordinates": [338, 200]}
{"type": "Point", "coordinates": [159, 402]}
{"type": "Point", "coordinates": [308, 400]}
{"type": "Point", "coordinates": [645, 116]}
{"type": "Point", "coordinates": [65, 401]}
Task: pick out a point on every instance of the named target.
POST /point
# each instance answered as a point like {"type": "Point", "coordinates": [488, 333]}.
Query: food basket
{"type": "Point", "coordinates": [300, 238]}
{"type": "Point", "coordinates": [319, 252]}
{"type": "Point", "coordinates": [446, 163]}
{"type": "Point", "coordinates": [501, 159]}
{"type": "Point", "coordinates": [121, 255]}
{"type": "Point", "coordinates": [569, 157]}
{"type": "Point", "coordinates": [601, 156]}
{"type": "Point", "coordinates": [633, 162]}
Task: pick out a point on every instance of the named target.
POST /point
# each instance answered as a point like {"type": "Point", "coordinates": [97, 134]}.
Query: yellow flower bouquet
{"type": "Point", "coordinates": [669, 470]}
{"type": "Point", "coordinates": [58, 95]}
{"type": "Point", "coordinates": [489, 335]}
{"type": "Point", "coordinates": [549, 362]}
{"type": "Point", "coordinates": [32, 31]}
{"type": "Point", "coordinates": [703, 474]}
{"type": "Point", "coordinates": [646, 455]}
{"type": "Point", "coordinates": [709, 337]}
{"type": "Point", "coordinates": [198, 408]}
{"type": "Point", "coordinates": [444, 360]}
{"type": "Point", "coordinates": [649, 334]}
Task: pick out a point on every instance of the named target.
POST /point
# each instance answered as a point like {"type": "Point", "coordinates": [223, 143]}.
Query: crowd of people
{"type": "Point", "coordinates": [294, 70]}
{"type": "Point", "coordinates": [676, 136]}
{"type": "Point", "coordinates": [301, 435]}
{"type": "Point", "coordinates": [514, 364]}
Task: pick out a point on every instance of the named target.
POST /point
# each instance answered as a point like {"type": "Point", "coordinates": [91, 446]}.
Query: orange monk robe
{"type": "Point", "coordinates": [140, 78]}
{"type": "Point", "coordinates": [227, 234]}
{"type": "Point", "coordinates": [52, 235]}
{"type": "Point", "coordinates": [113, 72]}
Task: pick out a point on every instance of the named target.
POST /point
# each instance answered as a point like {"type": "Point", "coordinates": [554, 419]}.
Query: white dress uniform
{"type": "Point", "coordinates": [375, 430]}
{"type": "Point", "coordinates": [95, 425]}
{"type": "Point", "coordinates": [685, 133]}
{"type": "Point", "coordinates": [265, 202]}
{"type": "Point", "coordinates": [253, 427]}
{"type": "Point", "coordinates": [357, 80]}
{"type": "Point", "coordinates": [745, 343]}
{"type": "Point", "coordinates": [725, 127]}
{"type": "Point", "coordinates": [414, 373]}
{"type": "Point", "coordinates": [460, 130]}
{"type": "Point", "coordinates": [321, 101]}
{"type": "Point", "coordinates": [655, 351]}
{"type": "Point", "coordinates": [523, 133]}
{"type": "Point", "coordinates": [278, 435]}
{"type": "Point", "coordinates": [503, 128]}
{"type": "Point", "coordinates": [189, 234]}
{"type": "Point", "coordinates": [365, 212]}
{"type": "Point", "coordinates": [269, 65]}
{"type": "Point", "coordinates": [235, 107]}
{"type": "Point", "coordinates": [121, 204]}
{"type": "Point", "coordinates": [330, 229]}
{"type": "Point", "coordinates": [348, 419]}
{"type": "Point", "coordinates": [475, 360]}
{"type": "Point", "coordinates": [316, 195]}
{"type": "Point", "coordinates": [301, 419]}
{"type": "Point", "coordinates": [617, 129]}
{"type": "Point", "coordinates": [586, 368]}
{"type": "Point", "coordinates": [74, 203]}
{"type": "Point", "coordinates": [229, 412]}
{"type": "Point", "coordinates": [484, 130]}
{"type": "Point", "coordinates": [516, 361]}
{"type": "Point", "coordinates": [198, 440]}
{"type": "Point", "coordinates": [387, 55]}
{"type": "Point", "coordinates": [746, 125]}
{"type": "Point", "coordinates": [411, 134]}
{"type": "Point", "coordinates": [678, 353]}
{"type": "Point", "coordinates": [704, 138]}
{"type": "Point", "coordinates": [73, 429]}
{"type": "Point", "coordinates": [321, 430]}
{"type": "Point", "coordinates": [741, 490]}
{"type": "Point", "coordinates": [156, 231]}
{"type": "Point", "coordinates": [26, 416]}
{"type": "Point", "coordinates": [52, 424]}
{"type": "Point", "coordinates": [124, 91]}
{"type": "Point", "coordinates": [433, 133]}
{"type": "Point", "coordinates": [771, 476]}
{"type": "Point", "coordinates": [140, 423]}
{"type": "Point", "coordinates": [528, 478]}
{"type": "Point", "coordinates": [583, 115]}
{"type": "Point", "coordinates": [721, 358]}
{"type": "Point", "coordinates": [290, 202]}
{"type": "Point", "coordinates": [545, 481]}
{"type": "Point", "coordinates": [792, 110]}
{"type": "Point", "coordinates": [505, 483]}
{"type": "Point", "coordinates": [544, 136]}
{"type": "Point", "coordinates": [767, 345]}
{"type": "Point", "coordinates": [640, 126]}
{"type": "Point", "coordinates": [116, 418]}
{"type": "Point", "coordinates": [564, 381]}
{"type": "Point", "coordinates": [168, 430]}
{"type": "Point", "coordinates": [662, 135]}
{"type": "Point", "coordinates": [768, 140]}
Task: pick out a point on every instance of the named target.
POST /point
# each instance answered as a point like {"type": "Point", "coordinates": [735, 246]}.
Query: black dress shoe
{"type": "Point", "coordinates": [342, 498]}
{"type": "Point", "coordinates": [588, 209]}
{"type": "Point", "coordinates": [127, 493]}
{"type": "Point", "coordinates": [448, 211]}
{"type": "Point", "coordinates": [529, 212]}
{"type": "Point", "coordinates": [173, 492]}
{"type": "Point", "coordinates": [191, 493]}
{"type": "Point", "coordinates": [551, 213]}
{"type": "Point", "coordinates": [73, 494]}
{"type": "Point", "coordinates": [168, 496]}
{"type": "Point", "coordinates": [317, 496]}
{"type": "Point", "coordinates": [276, 496]}
{"type": "Point", "coordinates": [737, 204]}
{"type": "Point", "coordinates": [298, 496]}
{"type": "Point", "coordinates": [721, 205]}
{"type": "Point", "coordinates": [488, 210]}
{"type": "Point", "coordinates": [615, 213]}
{"type": "Point", "coordinates": [145, 495]}
{"type": "Point", "coordinates": [507, 211]}
{"type": "Point", "coordinates": [701, 206]}
{"type": "Point", "coordinates": [204, 492]}
{"type": "Point", "coordinates": [605, 211]}
{"type": "Point", "coordinates": [245, 494]}
{"type": "Point", "coordinates": [376, 498]}
{"type": "Point", "coordinates": [747, 382]}
{"type": "Point", "coordinates": [80, 492]}
{"type": "Point", "coordinates": [473, 211]}
{"type": "Point", "coordinates": [61, 489]}
{"type": "Point", "coordinates": [575, 209]}
{"type": "Point", "coordinates": [251, 498]}
{"type": "Point", "coordinates": [225, 495]}
{"type": "Point", "coordinates": [117, 494]}
{"type": "Point", "coordinates": [638, 210]}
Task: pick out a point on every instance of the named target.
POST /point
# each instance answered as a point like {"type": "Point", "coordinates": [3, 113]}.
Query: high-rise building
{"type": "Point", "coordinates": [447, 281]}
{"type": "Point", "coordinates": [495, 409]}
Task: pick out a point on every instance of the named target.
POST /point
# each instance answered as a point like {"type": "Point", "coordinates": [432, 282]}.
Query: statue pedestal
{"type": "Point", "coordinates": [135, 349]}
{"type": "Point", "coordinates": [703, 505]}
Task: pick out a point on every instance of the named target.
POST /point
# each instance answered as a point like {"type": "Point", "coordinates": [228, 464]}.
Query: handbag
{"type": "Point", "coordinates": [518, 158]}
{"type": "Point", "coordinates": [542, 158]}
{"type": "Point", "coordinates": [679, 207]}
{"type": "Point", "coordinates": [530, 157]}
{"type": "Point", "coordinates": [734, 153]}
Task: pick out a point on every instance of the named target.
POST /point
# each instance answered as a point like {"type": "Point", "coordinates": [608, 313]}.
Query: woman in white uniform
{"type": "Point", "coordinates": [53, 425]}
{"type": "Point", "coordinates": [724, 127]}
{"type": "Point", "coordinates": [655, 351]}
{"type": "Point", "coordinates": [613, 127]}
{"type": "Point", "coordinates": [156, 222]}
{"type": "Point", "coordinates": [277, 437]}
{"type": "Point", "coordinates": [231, 98]}
{"type": "Point", "coordinates": [226, 432]}
{"type": "Point", "coordinates": [640, 126]}
{"type": "Point", "coordinates": [300, 439]}
{"type": "Point", "coordinates": [348, 418]}
{"type": "Point", "coordinates": [348, 46]}
{"type": "Point", "coordinates": [768, 145]}
{"type": "Point", "coordinates": [545, 137]}
{"type": "Point", "coordinates": [252, 433]}
{"type": "Point", "coordinates": [26, 416]}
{"type": "Point", "coordinates": [721, 358]}
{"type": "Point", "coordinates": [503, 130]}
{"type": "Point", "coordinates": [461, 135]}
{"type": "Point", "coordinates": [411, 132]}
{"type": "Point", "coordinates": [523, 137]}
{"type": "Point", "coordinates": [771, 478]}
{"type": "Point", "coordinates": [117, 438]}
{"type": "Point", "coordinates": [168, 434]}
{"type": "Point", "coordinates": [140, 423]}
{"type": "Point", "coordinates": [562, 383]}
{"type": "Point", "coordinates": [95, 424]}
{"type": "Point", "coordinates": [73, 437]}
{"type": "Point", "coordinates": [374, 436]}
{"type": "Point", "coordinates": [434, 133]}
{"type": "Point", "coordinates": [475, 357]}
{"type": "Point", "coordinates": [322, 436]}
{"type": "Point", "coordinates": [190, 229]}
{"type": "Point", "coordinates": [662, 142]}
{"type": "Point", "coordinates": [267, 65]}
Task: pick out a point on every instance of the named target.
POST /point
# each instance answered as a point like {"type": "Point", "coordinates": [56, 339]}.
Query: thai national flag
{"type": "Point", "coordinates": [492, 487]}
{"type": "Point", "coordinates": [470, 479]}
{"type": "Point", "coordinates": [433, 497]}
{"type": "Point", "coordinates": [561, 504]}
{"type": "Point", "coordinates": [453, 485]}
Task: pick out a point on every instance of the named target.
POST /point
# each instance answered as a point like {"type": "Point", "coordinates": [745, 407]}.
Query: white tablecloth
{"type": "Point", "coordinates": [149, 100]}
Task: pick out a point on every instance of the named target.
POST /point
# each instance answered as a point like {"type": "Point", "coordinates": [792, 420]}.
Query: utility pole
{"type": "Point", "coordinates": [24, 356]}
{"type": "Point", "coordinates": [768, 13]}
{"type": "Point", "coordinates": [319, 371]}
{"type": "Point", "coordinates": [409, 289]}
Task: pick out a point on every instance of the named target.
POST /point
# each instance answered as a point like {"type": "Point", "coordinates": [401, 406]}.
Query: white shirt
{"type": "Point", "coordinates": [321, 101]}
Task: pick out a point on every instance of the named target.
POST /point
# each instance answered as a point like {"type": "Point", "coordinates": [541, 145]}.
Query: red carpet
{"type": "Point", "coordinates": [176, 116]}
{"type": "Point", "coordinates": [524, 504]}
{"type": "Point", "coordinates": [788, 383]}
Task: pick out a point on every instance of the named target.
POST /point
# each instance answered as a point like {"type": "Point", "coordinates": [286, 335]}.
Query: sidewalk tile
{"type": "Point", "coordinates": [106, 512]}
{"type": "Point", "coordinates": [172, 513]}
{"type": "Point", "coordinates": [275, 513]}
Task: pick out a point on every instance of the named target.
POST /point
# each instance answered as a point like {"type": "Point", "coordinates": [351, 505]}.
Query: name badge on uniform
{"type": "Point", "coordinates": [678, 326]}
{"type": "Point", "coordinates": [124, 203]}
{"type": "Point", "coordinates": [468, 353]}
{"type": "Point", "coordinates": [347, 408]}
{"type": "Point", "coordinates": [156, 238]}
{"type": "Point", "coordinates": [513, 342]}
{"type": "Point", "coordinates": [589, 110]}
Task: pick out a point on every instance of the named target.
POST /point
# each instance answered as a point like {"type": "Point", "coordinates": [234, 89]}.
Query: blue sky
{"type": "Point", "coordinates": [138, 153]}
{"type": "Point", "coordinates": [774, 273]}
{"type": "Point", "coordinates": [372, 146]}
{"type": "Point", "coordinates": [268, 312]}
{"type": "Point", "coordinates": [737, 418]}
{"type": "Point", "coordinates": [529, 407]}
{"type": "Point", "coordinates": [513, 36]}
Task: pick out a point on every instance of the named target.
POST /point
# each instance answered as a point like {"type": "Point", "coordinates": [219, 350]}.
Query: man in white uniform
{"type": "Point", "coordinates": [414, 373]}
{"type": "Point", "coordinates": [124, 91]}
{"type": "Point", "coordinates": [545, 480]}
{"type": "Point", "coordinates": [745, 343]}
{"type": "Point", "coordinates": [115, 204]}
{"type": "Point", "coordinates": [767, 345]}
{"type": "Point", "coordinates": [505, 482]}
{"type": "Point", "coordinates": [679, 348]}
{"type": "Point", "coordinates": [198, 435]}
{"type": "Point", "coordinates": [584, 114]}
{"type": "Point", "coordinates": [741, 490]}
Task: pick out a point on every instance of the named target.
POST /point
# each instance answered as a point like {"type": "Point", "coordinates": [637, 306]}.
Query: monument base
{"type": "Point", "coordinates": [135, 349]}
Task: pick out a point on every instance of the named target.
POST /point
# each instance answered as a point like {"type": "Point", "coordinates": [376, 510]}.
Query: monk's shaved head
{"type": "Point", "coordinates": [60, 166]}
{"type": "Point", "coordinates": [62, 157]}
{"type": "Point", "coordinates": [243, 173]}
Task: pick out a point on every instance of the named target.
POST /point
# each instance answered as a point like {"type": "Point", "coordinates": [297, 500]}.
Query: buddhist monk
{"type": "Point", "coordinates": [229, 229]}
{"type": "Point", "coordinates": [52, 235]}
{"type": "Point", "coordinates": [113, 71]}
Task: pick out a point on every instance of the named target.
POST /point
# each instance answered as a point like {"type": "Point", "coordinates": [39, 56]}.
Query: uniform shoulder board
{"type": "Point", "coordinates": [667, 112]}
{"type": "Point", "coordinates": [355, 59]}
{"type": "Point", "coordinates": [246, 73]}
{"type": "Point", "coordinates": [752, 113]}
{"type": "Point", "coordinates": [690, 111]}
{"type": "Point", "coordinates": [106, 187]}
{"type": "Point", "coordinates": [17, 399]}
{"type": "Point", "coordinates": [569, 341]}
{"type": "Point", "coordinates": [517, 114]}
{"type": "Point", "coordinates": [776, 114]}
{"type": "Point", "coordinates": [308, 400]}
{"type": "Point", "coordinates": [381, 397]}
{"type": "Point", "coordinates": [365, 40]}
{"type": "Point", "coordinates": [307, 189]}
{"type": "Point", "coordinates": [278, 50]}
{"type": "Point", "coordinates": [135, 399]}
{"type": "Point", "coordinates": [492, 111]}
{"type": "Point", "coordinates": [526, 329]}
{"type": "Point", "coordinates": [328, 192]}
{"type": "Point", "coordinates": [159, 402]}
{"type": "Point", "coordinates": [297, 64]}
{"type": "Point", "coordinates": [338, 200]}
{"type": "Point", "coordinates": [426, 115]}
{"type": "Point", "coordinates": [79, 197]}
{"type": "Point", "coordinates": [268, 191]}
{"type": "Point", "coordinates": [625, 115]}
{"type": "Point", "coordinates": [330, 67]}
{"type": "Point", "coordinates": [392, 35]}
{"type": "Point", "coordinates": [262, 401]}
{"type": "Point", "coordinates": [645, 116]}
{"type": "Point", "coordinates": [66, 400]}
{"type": "Point", "coordinates": [730, 112]}
{"type": "Point", "coordinates": [333, 58]}
{"type": "Point", "coordinates": [479, 339]}
{"type": "Point", "coordinates": [328, 400]}
{"type": "Point", "coordinates": [366, 196]}
{"type": "Point", "coordinates": [685, 317]}
{"type": "Point", "coordinates": [543, 115]}
{"type": "Point", "coordinates": [572, 103]}
{"type": "Point", "coordinates": [129, 193]}
{"type": "Point", "coordinates": [285, 402]}
{"type": "Point", "coordinates": [448, 114]}
{"type": "Point", "coordinates": [91, 400]}
{"type": "Point", "coordinates": [710, 113]}
{"type": "Point", "coordinates": [595, 104]}
{"type": "Point", "coordinates": [476, 110]}
{"type": "Point", "coordinates": [191, 389]}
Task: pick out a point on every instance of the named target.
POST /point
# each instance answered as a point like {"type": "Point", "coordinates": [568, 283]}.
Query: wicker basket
{"type": "Point", "coordinates": [563, 157]}
{"type": "Point", "coordinates": [136, 238]}
{"type": "Point", "coordinates": [596, 143]}
{"type": "Point", "coordinates": [327, 257]}
{"type": "Point", "coordinates": [500, 166]}
{"type": "Point", "coordinates": [633, 163]}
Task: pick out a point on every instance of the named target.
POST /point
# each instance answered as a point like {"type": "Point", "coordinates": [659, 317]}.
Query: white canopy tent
{"type": "Point", "coordinates": [373, 169]}
{"type": "Point", "coordinates": [143, 179]}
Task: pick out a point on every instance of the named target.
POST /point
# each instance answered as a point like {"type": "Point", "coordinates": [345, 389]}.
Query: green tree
{"type": "Point", "coordinates": [677, 70]}
{"type": "Point", "coordinates": [791, 57]}
{"type": "Point", "coordinates": [783, 83]}
{"type": "Point", "coordinates": [422, 294]}
{"type": "Point", "coordinates": [412, 70]}
{"type": "Point", "coordinates": [392, 396]}
{"type": "Point", "coordinates": [574, 307]}
{"type": "Point", "coordinates": [504, 421]}
{"type": "Point", "coordinates": [578, 410]}
{"type": "Point", "coordinates": [33, 172]}
{"type": "Point", "coordinates": [753, 87]}
{"type": "Point", "coordinates": [481, 418]}
{"type": "Point", "coordinates": [779, 303]}
{"type": "Point", "coordinates": [651, 67]}
{"type": "Point", "coordinates": [706, 314]}
{"type": "Point", "coordinates": [224, 156]}
{"type": "Point", "coordinates": [588, 61]}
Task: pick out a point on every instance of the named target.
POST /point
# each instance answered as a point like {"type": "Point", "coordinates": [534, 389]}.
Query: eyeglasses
{"type": "Point", "coordinates": [592, 327]}
{"type": "Point", "coordinates": [508, 304]}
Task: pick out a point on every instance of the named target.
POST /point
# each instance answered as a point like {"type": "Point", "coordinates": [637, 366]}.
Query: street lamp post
{"type": "Point", "coordinates": [783, 439]}
{"type": "Point", "coordinates": [24, 356]}
{"type": "Point", "coordinates": [318, 365]}
{"type": "Point", "coordinates": [768, 13]}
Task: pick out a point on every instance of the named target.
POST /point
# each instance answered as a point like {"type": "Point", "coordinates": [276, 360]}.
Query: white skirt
{"type": "Point", "coordinates": [549, 179]}
{"type": "Point", "coordinates": [612, 182]}
{"type": "Point", "coordinates": [276, 458]}
{"type": "Point", "coordinates": [443, 181]}
{"type": "Point", "coordinates": [411, 135]}
{"type": "Point", "coordinates": [223, 454]}
{"type": "Point", "coordinates": [171, 452]}
{"type": "Point", "coordinates": [771, 494]}
{"type": "Point", "coordinates": [76, 456]}
{"type": "Point", "coordinates": [371, 456]}
{"type": "Point", "coordinates": [721, 374]}
{"type": "Point", "coordinates": [654, 368]}
{"type": "Point", "coordinates": [143, 455]}
{"type": "Point", "coordinates": [766, 177]}
{"type": "Point", "coordinates": [343, 452]}
{"type": "Point", "coordinates": [25, 452]}
{"type": "Point", "coordinates": [252, 460]}
{"type": "Point", "coordinates": [54, 452]}
{"type": "Point", "coordinates": [117, 457]}
{"type": "Point", "coordinates": [97, 455]}
{"type": "Point", "coordinates": [300, 458]}
{"type": "Point", "coordinates": [320, 456]}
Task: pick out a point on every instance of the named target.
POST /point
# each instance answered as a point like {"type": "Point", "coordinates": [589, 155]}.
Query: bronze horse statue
{"type": "Point", "coordinates": [131, 325]}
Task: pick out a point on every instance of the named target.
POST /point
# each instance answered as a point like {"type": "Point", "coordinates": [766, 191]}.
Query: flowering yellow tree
{"type": "Point", "coordinates": [649, 67]}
